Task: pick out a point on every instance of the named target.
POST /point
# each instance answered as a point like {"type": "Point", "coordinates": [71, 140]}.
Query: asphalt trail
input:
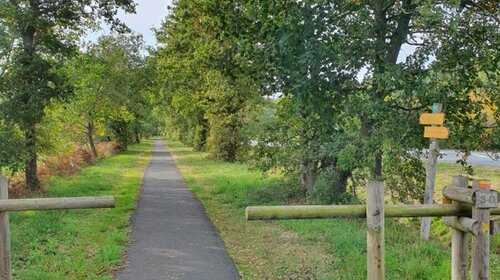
{"type": "Point", "coordinates": [172, 236]}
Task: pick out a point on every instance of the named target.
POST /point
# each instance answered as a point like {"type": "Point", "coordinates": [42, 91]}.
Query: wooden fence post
{"type": "Point", "coordinates": [375, 237]}
{"type": "Point", "coordinates": [459, 241]}
{"type": "Point", "coordinates": [481, 242]}
{"type": "Point", "coordinates": [430, 177]}
{"type": "Point", "coordinates": [5, 270]}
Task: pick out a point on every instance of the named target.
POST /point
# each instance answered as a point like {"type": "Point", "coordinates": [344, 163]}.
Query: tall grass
{"type": "Point", "coordinates": [305, 249]}
{"type": "Point", "coordinates": [80, 244]}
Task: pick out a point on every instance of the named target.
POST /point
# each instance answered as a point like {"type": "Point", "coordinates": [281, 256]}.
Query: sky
{"type": "Point", "coordinates": [149, 14]}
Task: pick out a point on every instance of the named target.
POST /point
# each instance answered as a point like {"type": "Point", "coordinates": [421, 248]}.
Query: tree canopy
{"type": "Point", "coordinates": [350, 79]}
{"type": "Point", "coordinates": [327, 93]}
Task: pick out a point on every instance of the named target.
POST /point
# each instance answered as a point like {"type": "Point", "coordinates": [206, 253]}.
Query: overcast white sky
{"type": "Point", "coordinates": [150, 13]}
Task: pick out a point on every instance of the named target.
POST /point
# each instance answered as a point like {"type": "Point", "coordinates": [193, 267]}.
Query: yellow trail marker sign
{"type": "Point", "coordinates": [432, 118]}
{"type": "Point", "coordinates": [436, 132]}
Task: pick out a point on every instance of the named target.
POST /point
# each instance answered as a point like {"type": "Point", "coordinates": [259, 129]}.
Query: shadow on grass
{"type": "Point", "coordinates": [183, 153]}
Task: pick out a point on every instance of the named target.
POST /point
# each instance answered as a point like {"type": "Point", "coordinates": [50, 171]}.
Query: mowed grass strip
{"type": "Point", "coordinates": [86, 243]}
{"type": "Point", "coordinates": [260, 250]}
{"type": "Point", "coordinates": [301, 249]}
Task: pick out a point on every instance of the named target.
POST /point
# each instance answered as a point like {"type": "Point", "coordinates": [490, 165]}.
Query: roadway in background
{"type": "Point", "coordinates": [475, 159]}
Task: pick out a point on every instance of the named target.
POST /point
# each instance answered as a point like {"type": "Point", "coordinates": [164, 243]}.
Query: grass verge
{"type": "Point", "coordinates": [301, 249]}
{"type": "Point", "coordinates": [80, 244]}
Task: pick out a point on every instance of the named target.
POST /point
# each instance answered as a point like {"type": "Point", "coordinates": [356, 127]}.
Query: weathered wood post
{"type": "Point", "coordinates": [375, 238]}
{"type": "Point", "coordinates": [430, 178]}
{"type": "Point", "coordinates": [7, 205]}
{"type": "Point", "coordinates": [5, 270]}
{"type": "Point", "coordinates": [485, 199]}
{"type": "Point", "coordinates": [459, 239]}
{"type": "Point", "coordinates": [434, 119]}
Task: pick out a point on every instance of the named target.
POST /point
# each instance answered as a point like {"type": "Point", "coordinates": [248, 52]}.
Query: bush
{"type": "Point", "coordinates": [106, 149]}
{"type": "Point", "coordinates": [404, 177]}
{"type": "Point", "coordinates": [326, 190]}
{"type": "Point", "coordinates": [63, 165]}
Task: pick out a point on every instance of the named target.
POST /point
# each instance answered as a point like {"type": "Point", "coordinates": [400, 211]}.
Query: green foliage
{"type": "Point", "coordinates": [357, 91]}
{"type": "Point", "coordinates": [24, 98]}
{"type": "Point", "coordinates": [121, 132]}
{"type": "Point", "coordinates": [404, 176]}
{"type": "Point", "coordinates": [205, 89]}
{"type": "Point", "coordinates": [330, 188]}
{"type": "Point", "coordinates": [42, 34]}
{"type": "Point", "coordinates": [226, 114]}
{"type": "Point", "coordinates": [11, 147]}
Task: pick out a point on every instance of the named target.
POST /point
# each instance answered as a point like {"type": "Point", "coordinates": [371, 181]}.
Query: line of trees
{"type": "Point", "coordinates": [56, 94]}
{"type": "Point", "coordinates": [326, 92]}
{"type": "Point", "coordinates": [345, 82]}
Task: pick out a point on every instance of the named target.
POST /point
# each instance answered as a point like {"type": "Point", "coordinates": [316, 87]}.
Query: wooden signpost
{"type": "Point", "coordinates": [434, 132]}
{"type": "Point", "coordinates": [7, 205]}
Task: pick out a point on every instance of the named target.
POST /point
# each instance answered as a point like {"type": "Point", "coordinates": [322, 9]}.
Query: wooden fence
{"type": "Point", "coordinates": [7, 205]}
{"type": "Point", "coordinates": [467, 213]}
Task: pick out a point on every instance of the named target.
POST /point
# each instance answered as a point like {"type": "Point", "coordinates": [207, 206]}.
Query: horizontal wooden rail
{"type": "Point", "coordinates": [56, 203]}
{"type": "Point", "coordinates": [355, 211]}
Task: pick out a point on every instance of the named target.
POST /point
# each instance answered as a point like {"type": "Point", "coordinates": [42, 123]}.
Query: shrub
{"type": "Point", "coordinates": [326, 190]}
{"type": "Point", "coordinates": [106, 149]}
{"type": "Point", "coordinates": [63, 165]}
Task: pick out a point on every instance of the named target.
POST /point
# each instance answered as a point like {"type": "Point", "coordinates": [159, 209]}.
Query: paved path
{"type": "Point", "coordinates": [173, 238]}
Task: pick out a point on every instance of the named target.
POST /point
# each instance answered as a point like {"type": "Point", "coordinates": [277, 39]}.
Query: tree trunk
{"type": "Point", "coordinates": [377, 170]}
{"type": "Point", "coordinates": [90, 137]}
{"type": "Point", "coordinates": [386, 53]}
{"type": "Point", "coordinates": [340, 184]}
{"type": "Point", "coordinates": [32, 182]}
{"type": "Point", "coordinates": [28, 41]}
{"type": "Point", "coordinates": [137, 134]}
{"type": "Point", "coordinates": [308, 176]}
{"type": "Point", "coordinates": [232, 148]}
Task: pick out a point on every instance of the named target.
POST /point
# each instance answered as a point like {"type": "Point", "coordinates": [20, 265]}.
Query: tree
{"type": "Point", "coordinates": [204, 79]}
{"type": "Point", "coordinates": [397, 88]}
{"type": "Point", "coordinates": [86, 110]}
{"type": "Point", "coordinates": [348, 63]}
{"type": "Point", "coordinates": [298, 58]}
{"type": "Point", "coordinates": [125, 84]}
{"type": "Point", "coordinates": [43, 34]}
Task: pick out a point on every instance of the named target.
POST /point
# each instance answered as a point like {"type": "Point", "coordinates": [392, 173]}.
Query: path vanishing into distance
{"type": "Point", "coordinates": [172, 237]}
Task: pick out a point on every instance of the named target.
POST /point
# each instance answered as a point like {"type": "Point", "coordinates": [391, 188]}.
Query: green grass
{"type": "Point", "coordinates": [304, 249]}
{"type": "Point", "coordinates": [80, 244]}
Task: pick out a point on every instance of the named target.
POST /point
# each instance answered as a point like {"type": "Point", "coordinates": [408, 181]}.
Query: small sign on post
{"type": "Point", "coordinates": [486, 200]}
{"type": "Point", "coordinates": [436, 132]}
{"type": "Point", "coordinates": [432, 118]}
{"type": "Point", "coordinates": [437, 107]}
